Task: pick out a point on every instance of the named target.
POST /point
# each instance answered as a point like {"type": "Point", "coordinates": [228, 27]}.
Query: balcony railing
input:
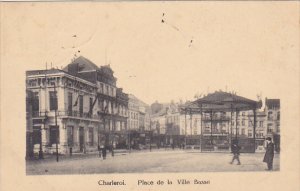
{"type": "Point", "coordinates": [215, 131]}
{"type": "Point", "coordinates": [216, 118]}
{"type": "Point", "coordinates": [77, 114]}
{"type": "Point", "coordinates": [39, 114]}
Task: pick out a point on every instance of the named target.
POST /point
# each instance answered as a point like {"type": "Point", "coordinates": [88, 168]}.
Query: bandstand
{"type": "Point", "coordinates": [220, 113]}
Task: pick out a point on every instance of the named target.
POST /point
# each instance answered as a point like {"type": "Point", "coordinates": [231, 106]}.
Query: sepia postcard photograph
{"type": "Point", "coordinates": [158, 95]}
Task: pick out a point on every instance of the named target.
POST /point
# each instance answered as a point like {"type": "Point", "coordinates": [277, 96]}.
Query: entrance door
{"type": "Point", "coordinates": [81, 139]}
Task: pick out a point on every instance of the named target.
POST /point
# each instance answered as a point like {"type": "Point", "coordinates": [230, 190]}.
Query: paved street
{"type": "Point", "coordinates": [150, 162]}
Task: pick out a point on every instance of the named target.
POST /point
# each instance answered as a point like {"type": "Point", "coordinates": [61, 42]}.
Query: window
{"type": "Point", "coordinates": [80, 105]}
{"type": "Point", "coordinates": [107, 90]}
{"type": "Point", "coordinates": [101, 87]}
{"type": "Point", "coordinates": [278, 115]}
{"type": "Point", "coordinates": [243, 122]}
{"type": "Point", "coordinates": [243, 131]}
{"type": "Point", "coordinates": [35, 101]}
{"type": "Point", "coordinates": [53, 100]}
{"type": "Point", "coordinates": [261, 124]}
{"type": "Point", "coordinates": [54, 135]}
{"type": "Point", "coordinates": [111, 91]}
{"type": "Point", "coordinates": [249, 133]}
{"type": "Point", "coordinates": [91, 106]}
{"type": "Point", "coordinates": [70, 134]}
{"type": "Point", "coordinates": [250, 123]}
{"type": "Point", "coordinates": [270, 117]}
{"type": "Point", "coordinates": [70, 102]}
{"type": "Point", "coordinates": [269, 129]}
{"type": "Point", "coordinates": [91, 136]}
{"type": "Point", "coordinates": [112, 107]}
{"type": "Point", "coordinates": [36, 136]}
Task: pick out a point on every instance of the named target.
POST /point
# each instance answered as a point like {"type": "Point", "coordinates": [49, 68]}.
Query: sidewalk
{"type": "Point", "coordinates": [76, 156]}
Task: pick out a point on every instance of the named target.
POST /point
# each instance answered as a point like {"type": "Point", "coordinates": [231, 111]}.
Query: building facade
{"type": "Point", "coordinates": [77, 108]}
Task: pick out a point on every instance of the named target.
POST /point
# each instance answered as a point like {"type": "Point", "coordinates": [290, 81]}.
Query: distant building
{"type": "Point", "coordinates": [133, 113]}
{"type": "Point", "coordinates": [272, 111]}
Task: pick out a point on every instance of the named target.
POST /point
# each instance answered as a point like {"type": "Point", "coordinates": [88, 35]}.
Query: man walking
{"type": "Point", "coordinates": [235, 149]}
{"type": "Point", "coordinates": [269, 155]}
{"type": "Point", "coordinates": [104, 152]}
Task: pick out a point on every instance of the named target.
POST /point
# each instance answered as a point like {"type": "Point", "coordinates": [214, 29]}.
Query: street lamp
{"type": "Point", "coordinates": [56, 127]}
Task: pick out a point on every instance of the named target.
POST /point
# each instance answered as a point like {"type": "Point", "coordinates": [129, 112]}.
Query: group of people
{"type": "Point", "coordinates": [268, 157]}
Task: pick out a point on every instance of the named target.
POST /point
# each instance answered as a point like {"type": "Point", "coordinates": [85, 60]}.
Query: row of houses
{"type": "Point", "coordinates": [78, 109]}
{"type": "Point", "coordinates": [221, 127]}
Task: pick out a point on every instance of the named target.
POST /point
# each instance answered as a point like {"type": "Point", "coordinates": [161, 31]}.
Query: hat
{"type": "Point", "coordinates": [269, 138]}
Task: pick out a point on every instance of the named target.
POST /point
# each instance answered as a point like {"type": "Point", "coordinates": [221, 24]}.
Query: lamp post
{"type": "Point", "coordinates": [150, 136]}
{"type": "Point", "coordinates": [56, 127]}
{"type": "Point", "coordinates": [236, 127]}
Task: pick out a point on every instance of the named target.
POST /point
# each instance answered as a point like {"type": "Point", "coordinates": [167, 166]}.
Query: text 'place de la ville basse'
{"type": "Point", "coordinates": [79, 116]}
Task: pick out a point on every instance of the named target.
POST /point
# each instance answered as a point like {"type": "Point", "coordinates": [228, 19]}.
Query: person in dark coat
{"type": "Point", "coordinates": [104, 152]}
{"type": "Point", "coordinates": [235, 149]}
{"type": "Point", "coordinates": [269, 155]}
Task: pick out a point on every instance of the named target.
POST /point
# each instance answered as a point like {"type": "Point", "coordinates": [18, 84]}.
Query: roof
{"type": "Point", "coordinates": [272, 103]}
{"type": "Point", "coordinates": [222, 101]}
{"type": "Point", "coordinates": [82, 64]}
{"type": "Point", "coordinates": [43, 72]}
{"type": "Point", "coordinates": [221, 96]}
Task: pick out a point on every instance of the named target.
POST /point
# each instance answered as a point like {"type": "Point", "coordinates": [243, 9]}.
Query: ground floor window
{"type": "Point", "coordinates": [54, 135]}
{"type": "Point", "coordinates": [36, 136]}
{"type": "Point", "coordinates": [70, 134]}
{"type": "Point", "coordinates": [91, 136]}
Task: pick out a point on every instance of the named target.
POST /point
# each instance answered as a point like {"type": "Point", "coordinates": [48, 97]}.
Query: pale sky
{"type": "Point", "coordinates": [247, 48]}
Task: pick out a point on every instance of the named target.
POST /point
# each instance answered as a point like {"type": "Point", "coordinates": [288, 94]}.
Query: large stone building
{"type": "Point", "coordinates": [77, 108]}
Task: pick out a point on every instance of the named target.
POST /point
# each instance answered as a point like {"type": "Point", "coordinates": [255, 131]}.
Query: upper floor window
{"type": "Point", "coordinates": [270, 117]}
{"type": "Point", "coordinates": [35, 101]}
{"type": "Point", "coordinates": [70, 100]}
{"type": "Point", "coordinates": [53, 100]}
{"type": "Point", "coordinates": [107, 89]}
{"type": "Point", "coordinates": [101, 87]}
{"type": "Point", "coordinates": [111, 92]}
{"type": "Point", "coordinates": [91, 106]}
{"type": "Point", "coordinates": [261, 123]}
{"type": "Point", "coordinates": [243, 131]}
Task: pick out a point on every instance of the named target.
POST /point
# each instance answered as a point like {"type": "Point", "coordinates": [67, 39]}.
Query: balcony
{"type": "Point", "coordinates": [77, 114]}
{"type": "Point", "coordinates": [215, 131]}
{"type": "Point", "coordinates": [216, 118]}
{"type": "Point", "coordinates": [39, 114]}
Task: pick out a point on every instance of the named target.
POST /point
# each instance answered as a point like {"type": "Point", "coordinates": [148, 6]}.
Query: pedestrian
{"type": "Point", "coordinates": [269, 155]}
{"type": "Point", "coordinates": [99, 150]}
{"type": "Point", "coordinates": [104, 152]}
{"type": "Point", "coordinates": [235, 149]}
{"type": "Point", "coordinates": [112, 151]}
